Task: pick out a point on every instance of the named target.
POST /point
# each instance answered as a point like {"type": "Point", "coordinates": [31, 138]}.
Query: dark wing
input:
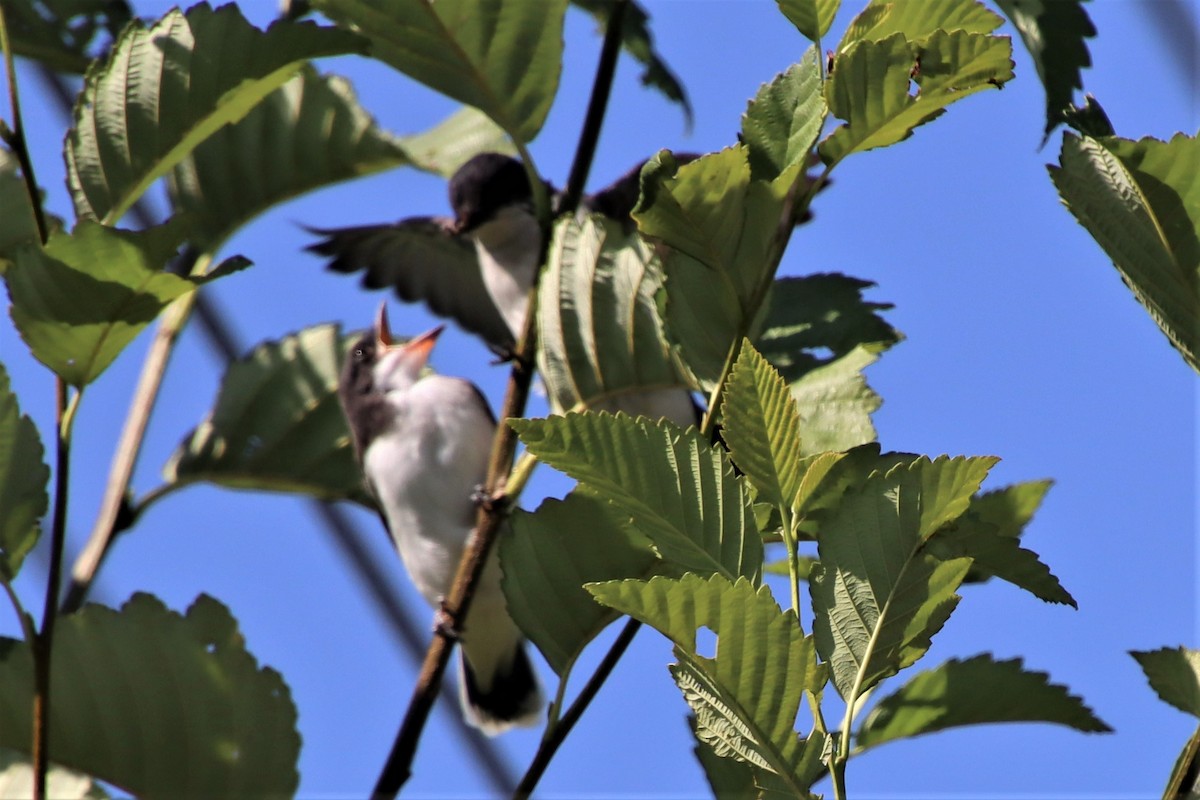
{"type": "Point", "coordinates": [617, 200]}
{"type": "Point", "coordinates": [424, 262]}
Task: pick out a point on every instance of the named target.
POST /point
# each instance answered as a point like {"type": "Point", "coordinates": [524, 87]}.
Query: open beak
{"type": "Point", "coordinates": [415, 351]}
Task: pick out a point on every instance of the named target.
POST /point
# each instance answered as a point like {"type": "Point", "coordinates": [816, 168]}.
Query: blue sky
{"type": "Point", "coordinates": [1021, 342]}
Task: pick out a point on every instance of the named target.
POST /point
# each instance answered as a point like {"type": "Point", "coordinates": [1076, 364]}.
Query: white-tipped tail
{"type": "Point", "coordinates": [512, 698]}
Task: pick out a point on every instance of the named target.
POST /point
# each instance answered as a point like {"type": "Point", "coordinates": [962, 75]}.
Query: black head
{"type": "Point", "coordinates": [483, 186]}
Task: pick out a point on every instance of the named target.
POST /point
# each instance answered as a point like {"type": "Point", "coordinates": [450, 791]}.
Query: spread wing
{"type": "Point", "coordinates": [424, 262]}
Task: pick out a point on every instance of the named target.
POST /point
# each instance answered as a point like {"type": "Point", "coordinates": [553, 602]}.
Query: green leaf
{"type": "Point", "coordinates": [762, 428]}
{"type": "Point", "coordinates": [746, 697]}
{"type": "Point", "coordinates": [728, 778]}
{"type": "Point", "coordinates": [309, 133]}
{"type": "Point", "coordinates": [721, 228]}
{"type": "Point", "coordinates": [1141, 202]}
{"type": "Point", "coordinates": [548, 557]}
{"type": "Point", "coordinates": [500, 57]}
{"type": "Point", "coordinates": [782, 122]}
{"type": "Point", "coordinates": [600, 336]}
{"type": "Point", "coordinates": [877, 597]}
{"type": "Point", "coordinates": [816, 313]}
{"type": "Point", "coordinates": [85, 296]}
{"type": "Point", "coordinates": [276, 424]}
{"type": "Point", "coordinates": [456, 140]}
{"type": "Point", "coordinates": [17, 223]}
{"type": "Point", "coordinates": [23, 479]}
{"type": "Point", "coordinates": [1174, 675]}
{"type": "Point", "coordinates": [167, 88]}
{"type": "Point", "coordinates": [680, 492]}
{"type": "Point", "coordinates": [869, 87]}
{"type": "Point", "coordinates": [64, 35]}
{"type": "Point", "coordinates": [184, 709]}
{"type": "Point", "coordinates": [638, 42]}
{"type": "Point", "coordinates": [918, 19]}
{"type": "Point", "coordinates": [836, 404]}
{"type": "Point", "coordinates": [1054, 33]}
{"type": "Point", "coordinates": [973, 692]}
{"type": "Point", "coordinates": [812, 18]}
{"type": "Point", "coordinates": [16, 780]}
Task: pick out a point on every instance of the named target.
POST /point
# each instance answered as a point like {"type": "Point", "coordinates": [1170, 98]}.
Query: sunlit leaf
{"type": "Point", "coordinates": [79, 301]}
{"type": "Point", "coordinates": [745, 697]}
{"type": "Point", "coordinates": [165, 89]}
{"type": "Point", "coordinates": [1054, 33]}
{"type": "Point", "coordinates": [1174, 675]}
{"type": "Point", "coordinates": [836, 403]}
{"type": "Point", "coordinates": [310, 132]}
{"type": "Point", "coordinates": [918, 19]}
{"type": "Point", "coordinates": [812, 18]}
{"type": "Point", "coordinates": [782, 122]}
{"type": "Point", "coordinates": [456, 140]}
{"type": "Point", "coordinates": [549, 556]}
{"type": "Point", "coordinates": [679, 491]}
{"type": "Point", "coordinates": [23, 478]}
{"type": "Point", "coordinates": [1141, 201]}
{"type": "Point", "coordinates": [276, 424]}
{"type": "Point", "coordinates": [973, 692]}
{"type": "Point", "coordinates": [501, 57]}
{"type": "Point", "coordinates": [184, 709]}
{"type": "Point", "coordinates": [728, 778]}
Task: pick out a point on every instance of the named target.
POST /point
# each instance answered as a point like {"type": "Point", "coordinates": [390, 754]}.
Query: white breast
{"type": "Point", "coordinates": [508, 251]}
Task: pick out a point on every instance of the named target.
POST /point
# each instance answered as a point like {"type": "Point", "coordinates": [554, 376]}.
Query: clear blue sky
{"type": "Point", "coordinates": [1022, 342]}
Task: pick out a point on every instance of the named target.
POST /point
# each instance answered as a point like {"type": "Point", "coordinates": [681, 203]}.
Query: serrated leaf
{"type": "Point", "coordinates": [85, 296]}
{"type": "Point", "coordinates": [869, 87]}
{"type": "Point", "coordinates": [680, 491]}
{"type": "Point", "coordinates": [762, 428]}
{"type": "Point", "coordinates": [1054, 33]}
{"type": "Point", "coordinates": [1141, 202]}
{"type": "Point", "coordinates": [782, 122]}
{"type": "Point", "coordinates": [836, 403]}
{"type": "Point", "coordinates": [23, 479]}
{"type": "Point", "coordinates": [745, 698]}
{"type": "Point", "coordinates": [1174, 675]}
{"type": "Point", "coordinates": [184, 709]}
{"type": "Point", "coordinates": [812, 18]}
{"type": "Point", "coordinates": [877, 597]}
{"type": "Point", "coordinates": [276, 424]}
{"type": "Point", "coordinates": [728, 778]}
{"type": "Point", "coordinates": [548, 557]}
{"type": "Point", "coordinates": [816, 319]}
{"type": "Point", "coordinates": [167, 88]}
{"type": "Point", "coordinates": [500, 57]}
{"type": "Point", "coordinates": [16, 780]}
{"type": "Point", "coordinates": [308, 133]}
{"type": "Point", "coordinates": [638, 42]}
{"type": "Point", "coordinates": [720, 226]}
{"type": "Point", "coordinates": [456, 140]}
{"type": "Point", "coordinates": [918, 19]}
{"type": "Point", "coordinates": [64, 35]}
{"type": "Point", "coordinates": [600, 336]}
{"type": "Point", "coordinates": [976, 691]}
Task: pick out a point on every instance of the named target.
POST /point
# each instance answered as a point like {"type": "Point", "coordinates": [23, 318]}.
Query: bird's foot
{"type": "Point", "coordinates": [482, 498]}
{"type": "Point", "coordinates": [444, 624]}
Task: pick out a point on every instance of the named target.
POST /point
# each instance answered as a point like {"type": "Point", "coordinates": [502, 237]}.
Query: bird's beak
{"type": "Point", "coordinates": [415, 351]}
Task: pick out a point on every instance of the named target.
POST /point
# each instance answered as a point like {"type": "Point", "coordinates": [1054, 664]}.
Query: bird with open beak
{"type": "Point", "coordinates": [423, 442]}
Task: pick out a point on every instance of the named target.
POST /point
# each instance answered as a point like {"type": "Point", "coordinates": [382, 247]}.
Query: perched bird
{"type": "Point", "coordinates": [478, 267]}
{"type": "Point", "coordinates": [423, 442]}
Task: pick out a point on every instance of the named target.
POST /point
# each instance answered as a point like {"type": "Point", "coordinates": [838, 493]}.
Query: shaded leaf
{"type": "Point", "coordinates": [600, 336]}
{"type": "Point", "coordinates": [16, 780]}
{"type": "Point", "coordinates": [1141, 202]}
{"type": "Point", "coordinates": [310, 132]}
{"type": "Point", "coordinates": [782, 122]}
{"type": "Point", "coordinates": [728, 778]}
{"type": "Point", "coordinates": [1054, 33]}
{"type": "Point", "coordinates": [167, 88]}
{"type": "Point", "coordinates": [638, 42]}
{"type": "Point", "coordinates": [877, 597]}
{"type": "Point", "coordinates": [869, 87]}
{"type": "Point", "coordinates": [746, 697]}
{"type": "Point", "coordinates": [17, 223]}
{"type": "Point", "coordinates": [680, 492]}
{"type": "Point", "coordinates": [64, 35]}
{"type": "Point", "coordinates": [1174, 675]}
{"type": "Point", "coordinates": [276, 424]}
{"type": "Point", "coordinates": [85, 296]}
{"type": "Point", "coordinates": [548, 557]}
{"type": "Point", "coordinates": [976, 691]}
{"type": "Point", "coordinates": [816, 319]}
{"type": "Point", "coordinates": [23, 479]}
{"type": "Point", "coordinates": [185, 710]}
{"type": "Point", "coordinates": [836, 404]}
{"type": "Point", "coordinates": [500, 57]}
{"type": "Point", "coordinates": [811, 17]}
{"type": "Point", "coordinates": [456, 140]}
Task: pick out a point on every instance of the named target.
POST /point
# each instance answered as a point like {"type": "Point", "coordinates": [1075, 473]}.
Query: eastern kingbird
{"type": "Point", "coordinates": [423, 442]}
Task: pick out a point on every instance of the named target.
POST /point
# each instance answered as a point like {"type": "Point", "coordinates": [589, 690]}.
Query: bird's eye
{"type": "Point", "coordinates": [359, 353]}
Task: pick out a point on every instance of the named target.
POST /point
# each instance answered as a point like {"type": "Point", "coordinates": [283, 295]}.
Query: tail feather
{"type": "Point", "coordinates": [514, 698]}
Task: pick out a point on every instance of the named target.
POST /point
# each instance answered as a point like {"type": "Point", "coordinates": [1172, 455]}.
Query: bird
{"type": "Point", "coordinates": [422, 441]}
{"type": "Point", "coordinates": [477, 267]}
